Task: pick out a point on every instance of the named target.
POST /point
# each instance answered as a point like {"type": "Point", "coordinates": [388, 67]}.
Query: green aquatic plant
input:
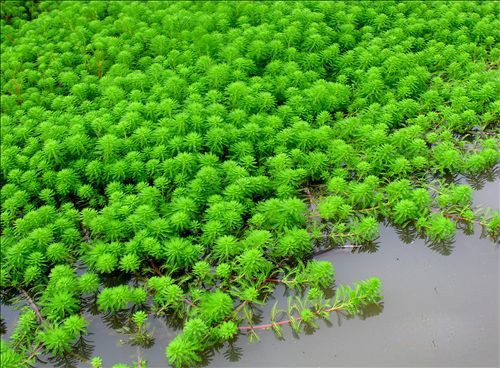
{"type": "Point", "coordinates": [58, 339]}
{"type": "Point", "coordinates": [184, 158]}
{"type": "Point", "coordinates": [137, 329]}
{"type": "Point", "coordinates": [112, 299]}
{"type": "Point", "coordinates": [493, 225]}
{"type": "Point", "coordinates": [305, 311]}
{"type": "Point", "coordinates": [10, 357]}
{"type": "Point", "coordinates": [96, 362]}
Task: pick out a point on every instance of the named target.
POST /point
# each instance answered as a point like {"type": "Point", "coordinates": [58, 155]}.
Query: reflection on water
{"type": "Point", "coordinates": [440, 306]}
{"type": "Point", "coordinates": [440, 309]}
{"type": "Point", "coordinates": [3, 326]}
{"type": "Point", "coordinates": [233, 353]}
{"type": "Point", "coordinates": [82, 351]}
{"type": "Point", "coordinates": [443, 247]}
{"type": "Point", "coordinates": [478, 182]}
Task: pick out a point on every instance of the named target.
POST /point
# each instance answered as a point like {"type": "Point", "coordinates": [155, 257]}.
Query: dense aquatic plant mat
{"type": "Point", "coordinates": [202, 153]}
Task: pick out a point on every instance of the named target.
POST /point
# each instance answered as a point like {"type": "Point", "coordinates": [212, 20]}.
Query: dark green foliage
{"type": "Point", "coordinates": [202, 152]}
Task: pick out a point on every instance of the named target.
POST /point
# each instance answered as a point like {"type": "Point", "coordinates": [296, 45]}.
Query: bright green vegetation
{"type": "Point", "coordinates": [201, 153]}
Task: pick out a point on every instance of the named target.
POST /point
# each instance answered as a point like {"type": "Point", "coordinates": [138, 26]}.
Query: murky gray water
{"type": "Point", "coordinates": [441, 308]}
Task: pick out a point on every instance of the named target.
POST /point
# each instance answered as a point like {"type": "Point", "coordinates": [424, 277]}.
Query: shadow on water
{"type": "Point", "coordinates": [3, 326]}
{"type": "Point", "coordinates": [82, 352]}
{"type": "Point", "coordinates": [443, 247]}
{"type": "Point", "coordinates": [477, 182]}
{"type": "Point", "coordinates": [233, 353]}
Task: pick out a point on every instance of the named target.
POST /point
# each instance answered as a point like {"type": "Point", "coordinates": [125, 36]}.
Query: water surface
{"type": "Point", "coordinates": [438, 310]}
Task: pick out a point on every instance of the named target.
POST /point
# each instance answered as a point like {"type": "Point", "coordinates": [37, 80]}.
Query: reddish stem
{"type": "Point", "coordinates": [270, 325]}
{"type": "Point", "coordinates": [18, 88]}
{"type": "Point", "coordinates": [267, 325]}
{"type": "Point", "coordinates": [156, 269]}
{"type": "Point", "coordinates": [275, 281]}
{"type": "Point", "coordinates": [32, 305]}
{"type": "Point", "coordinates": [450, 215]}
{"type": "Point", "coordinates": [189, 302]}
{"type": "Point", "coordinates": [309, 195]}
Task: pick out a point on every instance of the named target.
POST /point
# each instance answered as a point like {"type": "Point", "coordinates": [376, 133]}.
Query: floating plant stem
{"type": "Point", "coordinates": [32, 305]}
{"type": "Point", "coordinates": [365, 292]}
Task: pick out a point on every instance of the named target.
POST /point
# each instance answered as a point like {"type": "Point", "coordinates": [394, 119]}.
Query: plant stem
{"type": "Point", "coordinates": [139, 358]}
{"type": "Point", "coordinates": [342, 235]}
{"type": "Point", "coordinates": [266, 326]}
{"type": "Point", "coordinates": [456, 217]}
{"type": "Point", "coordinates": [240, 307]}
{"type": "Point", "coordinates": [367, 209]}
{"type": "Point", "coordinates": [156, 269]}
{"type": "Point", "coordinates": [32, 305]}
{"type": "Point", "coordinates": [33, 354]}
{"type": "Point", "coordinates": [189, 302]}
{"type": "Point", "coordinates": [270, 325]}
{"type": "Point", "coordinates": [86, 233]}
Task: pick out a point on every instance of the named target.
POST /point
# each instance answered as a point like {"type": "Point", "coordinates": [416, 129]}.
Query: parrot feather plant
{"type": "Point", "coordinates": [181, 159]}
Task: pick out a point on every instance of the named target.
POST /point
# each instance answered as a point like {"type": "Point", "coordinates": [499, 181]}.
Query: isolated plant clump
{"type": "Point", "coordinates": [201, 153]}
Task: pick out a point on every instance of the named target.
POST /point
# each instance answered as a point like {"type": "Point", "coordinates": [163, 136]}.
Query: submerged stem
{"type": "Point", "coordinates": [33, 305]}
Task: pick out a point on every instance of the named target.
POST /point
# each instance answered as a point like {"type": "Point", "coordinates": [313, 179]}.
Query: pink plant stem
{"type": "Point", "coordinates": [270, 325]}
{"type": "Point", "coordinates": [449, 215]}
{"type": "Point", "coordinates": [33, 305]}
{"type": "Point", "coordinates": [274, 281]}
{"type": "Point", "coordinates": [266, 326]}
{"type": "Point", "coordinates": [309, 196]}
{"type": "Point", "coordinates": [189, 302]}
{"type": "Point", "coordinates": [139, 357]}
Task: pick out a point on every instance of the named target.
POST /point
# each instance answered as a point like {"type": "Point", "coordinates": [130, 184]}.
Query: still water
{"type": "Point", "coordinates": [440, 308]}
